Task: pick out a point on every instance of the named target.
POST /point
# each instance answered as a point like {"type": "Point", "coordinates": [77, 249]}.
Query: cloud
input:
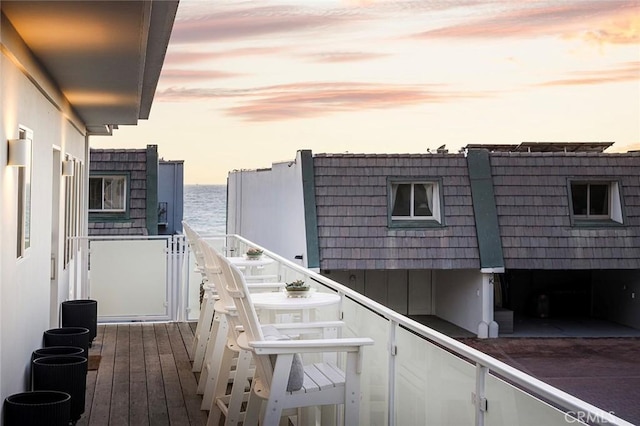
{"type": "Point", "coordinates": [251, 22]}
{"type": "Point", "coordinates": [303, 100]}
{"type": "Point", "coordinates": [626, 72]}
{"type": "Point", "coordinates": [176, 56]}
{"type": "Point", "coordinates": [337, 57]}
{"type": "Point", "coordinates": [174, 76]}
{"type": "Point", "coordinates": [612, 21]}
{"type": "Point", "coordinates": [623, 30]}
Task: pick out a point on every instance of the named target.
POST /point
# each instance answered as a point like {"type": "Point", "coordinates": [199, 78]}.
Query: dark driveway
{"type": "Point", "coordinates": [604, 372]}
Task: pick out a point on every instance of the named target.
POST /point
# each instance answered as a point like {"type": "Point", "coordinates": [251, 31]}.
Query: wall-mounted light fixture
{"type": "Point", "coordinates": [19, 152]}
{"type": "Point", "coordinates": [67, 168]}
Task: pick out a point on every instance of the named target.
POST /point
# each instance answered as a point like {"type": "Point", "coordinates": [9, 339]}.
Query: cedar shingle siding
{"type": "Point", "coordinates": [131, 162]}
{"type": "Point", "coordinates": [532, 201]}
{"type": "Point", "coordinates": [352, 207]}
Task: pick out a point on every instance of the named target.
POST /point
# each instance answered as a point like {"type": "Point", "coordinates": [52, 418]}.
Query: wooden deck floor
{"type": "Point", "coordinates": [144, 377]}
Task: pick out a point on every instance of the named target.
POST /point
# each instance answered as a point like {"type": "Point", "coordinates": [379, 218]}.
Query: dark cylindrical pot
{"type": "Point", "coordinates": [68, 336]}
{"type": "Point", "coordinates": [81, 313]}
{"type": "Point", "coordinates": [65, 374]}
{"type": "Point", "coordinates": [58, 350]}
{"type": "Point", "coordinates": [37, 408]}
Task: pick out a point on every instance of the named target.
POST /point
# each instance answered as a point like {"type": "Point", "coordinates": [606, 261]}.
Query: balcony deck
{"type": "Point", "coordinates": [144, 377]}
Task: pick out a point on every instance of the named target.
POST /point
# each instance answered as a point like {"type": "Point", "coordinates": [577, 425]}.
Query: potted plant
{"type": "Point", "coordinates": [297, 288]}
{"type": "Point", "coordinates": [254, 253]}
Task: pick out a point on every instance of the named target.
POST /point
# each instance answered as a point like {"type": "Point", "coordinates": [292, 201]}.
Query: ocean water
{"type": "Point", "coordinates": [205, 208]}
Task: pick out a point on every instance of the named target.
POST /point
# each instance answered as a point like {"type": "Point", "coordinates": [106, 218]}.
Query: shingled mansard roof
{"type": "Point", "coordinates": [351, 203]}
{"type": "Point", "coordinates": [531, 202]}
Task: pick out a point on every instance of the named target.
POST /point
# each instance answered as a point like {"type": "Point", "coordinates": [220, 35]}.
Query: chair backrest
{"type": "Point", "coordinates": [195, 241]}
{"type": "Point", "coordinates": [215, 273]}
{"type": "Point", "coordinates": [239, 291]}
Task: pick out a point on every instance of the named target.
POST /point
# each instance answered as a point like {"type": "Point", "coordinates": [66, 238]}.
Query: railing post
{"type": "Point", "coordinates": [393, 350]}
{"type": "Point", "coordinates": [479, 397]}
{"type": "Point", "coordinates": [177, 250]}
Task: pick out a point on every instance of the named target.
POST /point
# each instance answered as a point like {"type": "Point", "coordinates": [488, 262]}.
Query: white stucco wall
{"type": "Point", "coordinates": [25, 287]}
{"type": "Point", "coordinates": [266, 206]}
{"type": "Point", "coordinates": [457, 297]}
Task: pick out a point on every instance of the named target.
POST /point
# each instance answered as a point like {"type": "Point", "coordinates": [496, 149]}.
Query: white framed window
{"type": "Point", "coordinates": [595, 201]}
{"type": "Point", "coordinates": [414, 203]}
{"type": "Point", "coordinates": [107, 193]}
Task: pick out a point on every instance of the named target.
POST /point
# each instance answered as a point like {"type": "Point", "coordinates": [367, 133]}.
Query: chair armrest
{"type": "Point", "coordinates": [306, 327]}
{"type": "Point", "coordinates": [309, 346]}
{"type": "Point", "coordinates": [264, 286]}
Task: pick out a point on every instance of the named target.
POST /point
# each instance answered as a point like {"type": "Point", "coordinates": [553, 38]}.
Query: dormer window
{"type": "Point", "coordinates": [414, 203]}
{"type": "Point", "coordinates": [595, 202]}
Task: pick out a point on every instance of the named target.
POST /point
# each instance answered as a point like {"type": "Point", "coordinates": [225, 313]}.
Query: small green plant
{"type": "Point", "coordinates": [254, 252]}
{"type": "Point", "coordinates": [297, 285]}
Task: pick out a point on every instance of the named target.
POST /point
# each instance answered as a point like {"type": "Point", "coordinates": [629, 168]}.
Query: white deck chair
{"type": "Point", "coordinates": [218, 366]}
{"type": "Point", "coordinates": [323, 383]}
{"type": "Point", "coordinates": [219, 339]}
{"type": "Point", "coordinates": [207, 312]}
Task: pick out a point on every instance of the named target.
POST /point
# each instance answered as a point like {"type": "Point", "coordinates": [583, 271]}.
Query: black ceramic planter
{"type": "Point", "coordinates": [37, 408]}
{"type": "Point", "coordinates": [65, 374]}
{"type": "Point", "coordinates": [81, 313]}
{"type": "Point", "coordinates": [57, 351]}
{"type": "Point", "coordinates": [68, 336]}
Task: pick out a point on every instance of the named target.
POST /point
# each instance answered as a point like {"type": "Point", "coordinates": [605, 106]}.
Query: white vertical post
{"type": "Point", "coordinates": [487, 326]}
{"type": "Point", "coordinates": [393, 349]}
{"type": "Point", "coordinates": [480, 399]}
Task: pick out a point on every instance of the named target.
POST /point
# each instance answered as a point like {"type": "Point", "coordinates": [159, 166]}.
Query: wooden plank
{"type": "Point", "coordinates": [119, 412]}
{"type": "Point", "coordinates": [173, 391]}
{"type": "Point", "coordinates": [101, 402]}
{"type": "Point", "coordinates": [158, 414]}
{"type": "Point", "coordinates": [187, 336]}
{"type": "Point", "coordinates": [193, 325]}
{"type": "Point", "coordinates": [92, 376]}
{"type": "Point", "coordinates": [187, 380]}
{"type": "Point", "coordinates": [138, 403]}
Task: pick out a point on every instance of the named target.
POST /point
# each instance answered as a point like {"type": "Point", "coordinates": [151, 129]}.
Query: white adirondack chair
{"type": "Point", "coordinates": [205, 319]}
{"type": "Point", "coordinates": [221, 349]}
{"type": "Point", "coordinates": [323, 384]}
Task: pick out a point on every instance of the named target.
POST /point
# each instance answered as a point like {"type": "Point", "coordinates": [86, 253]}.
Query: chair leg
{"type": "Point", "coordinates": [352, 391]}
{"type": "Point", "coordinates": [197, 333]}
{"type": "Point", "coordinates": [204, 332]}
{"type": "Point", "coordinates": [214, 366]}
{"type": "Point", "coordinates": [252, 413]}
{"type": "Point", "coordinates": [216, 339]}
{"type": "Point", "coordinates": [218, 386]}
{"type": "Point", "coordinates": [272, 413]}
{"type": "Point", "coordinates": [238, 389]}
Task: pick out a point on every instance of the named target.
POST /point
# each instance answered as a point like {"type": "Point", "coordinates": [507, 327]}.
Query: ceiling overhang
{"type": "Point", "coordinates": [105, 56]}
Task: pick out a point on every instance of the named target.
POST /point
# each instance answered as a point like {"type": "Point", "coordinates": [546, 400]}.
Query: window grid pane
{"type": "Point", "coordinates": [402, 200]}
{"type": "Point", "coordinates": [414, 201]}
{"type": "Point", "coordinates": [598, 200]}
{"type": "Point", "coordinates": [107, 193]}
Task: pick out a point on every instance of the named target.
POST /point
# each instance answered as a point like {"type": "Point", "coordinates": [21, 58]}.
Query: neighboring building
{"type": "Point", "coordinates": [60, 85]}
{"type": "Point", "coordinates": [132, 192]}
{"type": "Point", "coordinates": [539, 229]}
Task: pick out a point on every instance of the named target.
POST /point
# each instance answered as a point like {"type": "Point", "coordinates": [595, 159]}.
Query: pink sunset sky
{"type": "Point", "coordinates": [248, 83]}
